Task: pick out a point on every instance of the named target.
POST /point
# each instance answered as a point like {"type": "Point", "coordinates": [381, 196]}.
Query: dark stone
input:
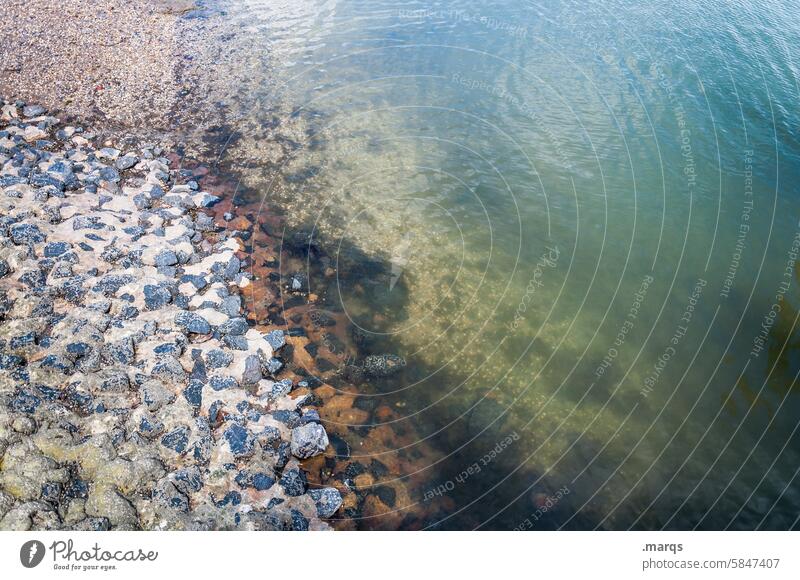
{"type": "Point", "coordinates": [276, 339]}
{"type": "Point", "coordinates": [222, 382]}
{"type": "Point", "coordinates": [294, 482]}
{"type": "Point", "coordinates": [116, 381]}
{"type": "Point", "coordinates": [111, 283]}
{"type": "Point", "coordinates": [126, 162]}
{"type": "Point", "coordinates": [191, 322]}
{"type": "Point", "coordinates": [240, 440]}
{"type": "Point", "coordinates": [57, 363]}
{"type": "Point", "coordinates": [327, 500]}
{"type": "Point", "coordinates": [166, 495]}
{"type": "Point", "coordinates": [156, 297]}
{"type": "Point", "coordinates": [150, 427]}
{"type": "Point", "coordinates": [168, 366]}
{"type": "Point", "coordinates": [235, 326]}
{"type": "Point", "coordinates": [198, 282]}
{"type": "Point", "coordinates": [340, 446]}
{"type": "Point", "coordinates": [299, 521]}
{"type": "Point", "coordinates": [54, 249]}
{"type": "Point", "coordinates": [27, 339]}
{"type": "Point", "coordinates": [166, 258]}
{"type": "Point", "coordinates": [188, 480]}
{"type": "Point", "coordinates": [121, 352]}
{"type": "Point", "coordinates": [235, 342]}
{"type": "Point", "coordinates": [25, 402]}
{"type": "Point", "coordinates": [386, 494]}
{"type": "Point", "coordinates": [257, 480]}
{"type": "Point", "coordinates": [26, 234]}
{"type": "Point", "coordinates": [218, 358]}
{"type": "Point", "coordinates": [194, 393]}
{"type": "Point", "coordinates": [177, 439]}
{"type": "Point", "coordinates": [252, 370]}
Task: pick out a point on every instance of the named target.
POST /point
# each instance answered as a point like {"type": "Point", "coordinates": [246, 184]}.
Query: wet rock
{"type": "Point", "coordinates": [218, 358]}
{"type": "Point", "coordinates": [383, 365]}
{"type": "Point", "coordinates": [327, 501]}
{"type": "Point", "coordinates": [309, 440]}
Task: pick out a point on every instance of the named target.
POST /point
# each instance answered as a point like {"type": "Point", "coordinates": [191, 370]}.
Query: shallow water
{"type": "Point", "coordinates": [585, 216]}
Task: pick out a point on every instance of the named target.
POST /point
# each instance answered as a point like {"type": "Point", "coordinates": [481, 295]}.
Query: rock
{"type": "Point", "coordinates": [239, 440]}
{"type": "Point", "coordinates": [169, 368]}
{"type": "Point", "coordinates": [294, 482]}
{"type": "Point", "coordinates": [309, 440]}
{"type": "Point", "coordinates": [166, 258]}
{"type": "Point", "coordinates": [235, 326]}
{"type": "Point", "coordinates": [252, 371]}
{"type": "Point", "coordinates": [105, 501]}
{"type": "Point", "coordinates": [383, 365]}
{"type": "Point", "coordinates": [54, 249]}
{"type": "Point", "coordinates": [191, 322]}
{"type": "Point", "coordinates": [276, 339]}
{"type": "Point", "coordinates": [177, 439]}
{"type": "Point", "coordinates": [327, 500]}
{"type": "Point", "coordinates": [167, 495]}
{"type": "Point", "coordinates": [259, 481]}
{"type": "Point", "coordinates": [218, 358]}
{"type": "Point", "coordinates": [26, 234]}
{"type": "Point", "coordinates": [222, 382]}
{"type": "Point", "coordinates": [236, 342]}
{"type": "Point", "coordinates": [207, 200]}
{"type": "Point", "coordinates": [156, 297]}
{"type": "Point", "coordinates": [194, 393]}
{"type": "Point", "coordinates": [33, 111]}
{"type": "Point", "coordinates": [126, 162]}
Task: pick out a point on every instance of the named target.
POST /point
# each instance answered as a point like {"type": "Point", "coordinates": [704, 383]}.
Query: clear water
{"type": "Point", "coordinates": [587, 210]}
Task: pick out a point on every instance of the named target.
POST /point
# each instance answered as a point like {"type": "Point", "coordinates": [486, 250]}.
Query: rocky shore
{"type": "Point", "coordinates": [133, 392]}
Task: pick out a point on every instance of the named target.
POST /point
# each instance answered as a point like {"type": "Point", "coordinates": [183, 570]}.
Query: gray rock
{"type": "Point", "coordinates": [191, 322]}
{"type": "Point", "coordinates": [33, 111]}
{"type": "Point", "coordinates": [166, 258]}
{"type": "Point", "coordinates": [126, 162]}
{"type": "Point", "coordinates": [327, 500]}
{"type": "Point", "coordinates": [218, 358]}
{"type": "Point", "coordinates": [26, 234]}
{"type": "Point", "coordinates": [252, 370]}
{"type": "Point", "coordinates": [276, 339]}
{"type": "Point", "coordinates": [309, 440]}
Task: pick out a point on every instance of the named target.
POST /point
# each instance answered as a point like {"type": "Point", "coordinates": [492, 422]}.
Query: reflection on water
{"type": "Point", "coordinates": [587, 217]}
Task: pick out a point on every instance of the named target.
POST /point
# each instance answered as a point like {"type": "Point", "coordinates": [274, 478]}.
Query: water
{"type": "Point", "coordinates": [585, 214]}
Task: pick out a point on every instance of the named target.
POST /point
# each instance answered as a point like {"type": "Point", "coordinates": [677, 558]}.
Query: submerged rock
{"type": "Point", "coordinates": [383, 365]}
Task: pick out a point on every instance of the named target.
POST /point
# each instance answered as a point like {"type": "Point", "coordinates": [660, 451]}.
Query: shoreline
{"type": "Point", "coordinates": [135, 395]}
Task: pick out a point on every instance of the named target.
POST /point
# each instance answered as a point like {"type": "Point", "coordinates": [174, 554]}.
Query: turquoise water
{"type": "Point", "coordinates": [589, 217]}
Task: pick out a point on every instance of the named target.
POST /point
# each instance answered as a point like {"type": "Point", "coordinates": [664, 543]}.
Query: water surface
{"type": "Point", "coordinates": [587, 217]}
